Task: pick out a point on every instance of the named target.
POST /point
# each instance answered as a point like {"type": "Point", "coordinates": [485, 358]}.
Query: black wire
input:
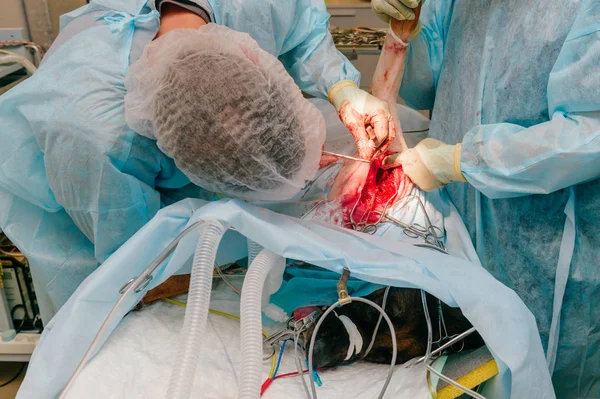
{"type": "Point", "coordinates": [18, 329]}
{"type": "Point", "coordinates": [25, 317]}
{"type": "Point", "coordinates": [12, 311]}
{"type": "Point", "coordinates": [15, 376]}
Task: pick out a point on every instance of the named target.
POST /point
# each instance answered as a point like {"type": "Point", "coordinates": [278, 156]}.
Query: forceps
{"type": "Point", "coordinates": [431, 235]}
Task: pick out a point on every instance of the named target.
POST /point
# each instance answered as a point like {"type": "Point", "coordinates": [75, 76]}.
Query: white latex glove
{"type": "Point", "coordinates": [431, 164]}
{"type": "Point", "coordinates": [367, 117]}
{"type": "Point", "coordinates": [397, 9]}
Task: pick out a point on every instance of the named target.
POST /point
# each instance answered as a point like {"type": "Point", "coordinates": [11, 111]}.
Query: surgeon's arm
{"type": "Point", "coordinates": [309, 53]}
{"type": "Point", "coordinates": [506, 160]}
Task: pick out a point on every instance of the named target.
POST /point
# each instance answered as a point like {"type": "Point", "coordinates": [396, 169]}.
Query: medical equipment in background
{"type": "Point", "coordinates": [359, 34]}
{"type": "Point", "coordinates": [6, 322]}
{"type": "Point", "coordinates": [16, 54]}
{"type": "Point", "coordinates": [20, 322]}
{"type": "Point", "coordinates": [355, 31]}
{"type": "Point", "coordinates": [20, 294]}
{"type": "Point", "coordinates": [23, 53]}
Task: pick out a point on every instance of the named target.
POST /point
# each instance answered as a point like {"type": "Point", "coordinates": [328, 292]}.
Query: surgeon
{"type": "Point", "coordinates": [514, 89]}
{"type": "Point", "coordinates": [91, 149]}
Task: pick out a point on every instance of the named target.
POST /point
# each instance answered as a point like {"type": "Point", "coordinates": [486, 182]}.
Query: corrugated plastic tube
{"type": "Point", "coordinates": [251, 323]}
{"type": "Point", "coordinates": [196, 312]}
{"type": "Point", "coordinates": [254, 249]}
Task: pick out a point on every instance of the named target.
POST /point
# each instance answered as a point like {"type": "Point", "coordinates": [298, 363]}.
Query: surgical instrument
{"type": "Point", "coordinates": [345, 156]}
{"type": "Point", "coordinates": [428, 356]}
{"type": "Point", "coordinates": [431, 234]}
{"type": "Point", "coordinates": [445, 346]}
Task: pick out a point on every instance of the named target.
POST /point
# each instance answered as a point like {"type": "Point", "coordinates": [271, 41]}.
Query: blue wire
{"type": "Point", "coordinates": [315, 376]}
{"type": "Point", "coordinates": [279, 359]}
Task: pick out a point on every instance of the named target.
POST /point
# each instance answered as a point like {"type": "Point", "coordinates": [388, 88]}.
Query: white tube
{"type": "Point", "coordinates": [251, 324]}
{"type": "Point", "coordinates": [253, 250]}
{"type": "Point", "coordinates": [272, 285]}
{"type": "Point", "coordinates": [196, 313]}
{"type": "Point", "coordinates": [273, 280]}
{"type": "Point", "coordinates": [14, 58]}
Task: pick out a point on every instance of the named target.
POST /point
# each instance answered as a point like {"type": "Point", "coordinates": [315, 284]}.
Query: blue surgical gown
{"type": "Point", "coordinates": [75, 181]}
{"type": "Point", "coordinates": [518, 84]}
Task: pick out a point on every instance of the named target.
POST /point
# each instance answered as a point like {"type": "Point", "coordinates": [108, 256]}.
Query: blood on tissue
{"type": "Point", "coordinates": [380, 186]}
{"type": "Point", "coordinates": [395, 47]}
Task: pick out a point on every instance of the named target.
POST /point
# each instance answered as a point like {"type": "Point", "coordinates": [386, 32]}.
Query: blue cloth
{"type": "Point", "coordinates": [311, 285]}
{"type": "Point", "coordinates": [75, 181]}
{"type": "Point", "coordinates": [518, 84]}
{"type": "Point", "coordinates": [499, 315]}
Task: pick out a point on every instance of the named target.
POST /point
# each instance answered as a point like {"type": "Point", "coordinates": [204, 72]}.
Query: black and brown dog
{"type": "Point", "coordinates": [405, 308]}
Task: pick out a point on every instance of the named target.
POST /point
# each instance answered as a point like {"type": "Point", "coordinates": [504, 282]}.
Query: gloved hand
{"type": "Point", "coordinates": [431, 164]}
{"type": "Point", "coordinates": [397, 9]}
{"type": "Point", "coordinates": [367, 117]}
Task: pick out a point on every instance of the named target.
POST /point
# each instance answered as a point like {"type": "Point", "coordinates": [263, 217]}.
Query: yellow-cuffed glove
{"type": "Point", "coordinates": [431, 164]}
{"type": "Point", "coordinates": [367, 117]}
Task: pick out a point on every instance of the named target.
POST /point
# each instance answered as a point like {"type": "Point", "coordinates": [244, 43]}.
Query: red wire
{"type": "Point", "coordinates": [289, 374]}
{"type": "Point", "coordinates": [265, 385]}
{"type": "Point", "coordinates": [268, 381]}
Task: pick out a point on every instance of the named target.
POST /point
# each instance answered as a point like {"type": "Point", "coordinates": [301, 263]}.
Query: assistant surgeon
{"type": "Point", "coordinates": [514, 89]}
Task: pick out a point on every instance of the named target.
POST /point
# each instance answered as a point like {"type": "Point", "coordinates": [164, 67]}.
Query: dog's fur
{"type": "Point", "coordinates": [405, 309]}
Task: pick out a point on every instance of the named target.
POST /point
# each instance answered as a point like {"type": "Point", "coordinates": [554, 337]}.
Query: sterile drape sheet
{"type": "Point", "coordinates": [501, 318]}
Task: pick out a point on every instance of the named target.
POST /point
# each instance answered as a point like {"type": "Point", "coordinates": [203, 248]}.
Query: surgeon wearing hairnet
{"type": "Point", "coordinates": [514, 89]}
{"type": "Point", "coordinates": [77, 180]}
{"type": "Point", "coordinates": [306, 49]}
{"type": "Point", "coordinates": [226, 112]}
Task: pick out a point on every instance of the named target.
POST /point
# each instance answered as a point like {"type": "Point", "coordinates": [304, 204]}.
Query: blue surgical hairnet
{"type": "Point", "coordinates": [227, 112]}
{"type": "Point", "coordinates": [518, 84]}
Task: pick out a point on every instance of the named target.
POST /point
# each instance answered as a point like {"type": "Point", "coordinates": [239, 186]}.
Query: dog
{"type": "Point", "coordinates": [405, 309]}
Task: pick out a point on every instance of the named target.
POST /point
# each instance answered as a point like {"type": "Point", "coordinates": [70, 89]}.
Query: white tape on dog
{"type": "Point", "coordinates": [356, 341]}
